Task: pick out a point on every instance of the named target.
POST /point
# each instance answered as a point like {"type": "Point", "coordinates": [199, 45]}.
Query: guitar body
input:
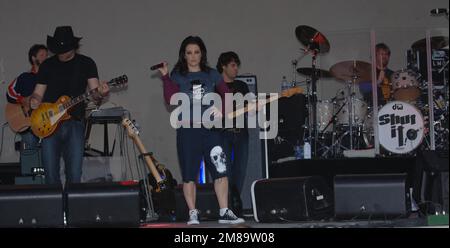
{"type": "Point", "coordinates": [46, 118]}
{"type": "Point", "coordinates": [18, 117]}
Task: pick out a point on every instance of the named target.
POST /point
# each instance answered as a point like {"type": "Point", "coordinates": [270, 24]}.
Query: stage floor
{"type": "Point", "coordinates": [412, 222]}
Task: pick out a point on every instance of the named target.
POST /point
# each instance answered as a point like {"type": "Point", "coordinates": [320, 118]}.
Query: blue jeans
{"type": "Point", "coordinates": [68, 141]}
{"type": "Point", "coordinates": [29, 141]}
{"type": "Point", "coordinates": [236, 148]}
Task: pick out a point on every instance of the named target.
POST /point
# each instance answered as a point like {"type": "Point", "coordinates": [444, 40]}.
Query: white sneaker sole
{"type": "Point", "coordinates": [238, 221]}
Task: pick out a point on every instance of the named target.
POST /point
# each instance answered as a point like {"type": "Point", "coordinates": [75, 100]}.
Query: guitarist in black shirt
{"type": "Point", "coordinates": [66, 73]}
{"type": "Point", "coordinates": [235, 139]}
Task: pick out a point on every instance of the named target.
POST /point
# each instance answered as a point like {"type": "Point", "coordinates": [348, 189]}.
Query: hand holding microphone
{"type": "Point", "coordinates": [161, 67]}
{"type": "Point", "coordinates": [439, 11]}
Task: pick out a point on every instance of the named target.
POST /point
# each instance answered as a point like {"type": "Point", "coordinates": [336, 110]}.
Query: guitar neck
{"type": "Point", "coordinates": [252, 106]}
{"type": "Point", "coordinates": [78, 99]}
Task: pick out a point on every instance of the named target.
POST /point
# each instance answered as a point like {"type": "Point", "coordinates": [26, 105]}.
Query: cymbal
{"type": "Point", "coordinates": [307, 71]}
{"type": "Point", "coordinates": [312, 39]}
{"type": "Point", "coordinates": [359, 71]}
{"type": "Point", "coordinates": [437, 42]}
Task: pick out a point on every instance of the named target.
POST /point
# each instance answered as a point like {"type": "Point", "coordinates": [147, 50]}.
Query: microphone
{"type": "Point", "coordinates": [157, 66]}
{"type": "Point", "coordinates": [439, 11]}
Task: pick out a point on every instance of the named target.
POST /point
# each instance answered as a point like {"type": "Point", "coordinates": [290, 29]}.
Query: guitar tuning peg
{"type": "Point", "coordinates": [136, 125]}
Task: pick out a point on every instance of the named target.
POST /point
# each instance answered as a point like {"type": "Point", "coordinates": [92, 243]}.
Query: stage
{"type": "Point", "coordinates": [412, 222]}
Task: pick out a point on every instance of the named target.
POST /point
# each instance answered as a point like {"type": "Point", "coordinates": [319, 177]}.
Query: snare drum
{"type": "Point", "coordinates": [359, 113]}
{"type": "Point", "coordinates": [405, 86]}
{"type": "Point", "coordinates": [400, 127]}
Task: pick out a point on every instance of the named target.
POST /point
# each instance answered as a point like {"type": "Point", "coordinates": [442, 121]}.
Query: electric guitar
{"type": "Point", "coordinates": [256, 105]}
{"type": "Point", "coordinates": [46, 118]}
{"type": "Point", "coordinates": [133, 133]}
{"type": "Point", "coordinates": [18, 115]}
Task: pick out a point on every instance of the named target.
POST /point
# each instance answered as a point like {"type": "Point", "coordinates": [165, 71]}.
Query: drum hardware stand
{"type": "Point", "coordinates": [315, 43]}
{"type": "Point", "coordinates": [307, 124]}
{"type": "Point", "coordinates": [315, 136]}
{"type": "Point", "coordinates": [333, 120]}
{"type": "Point", "coordinates": [351, 92]}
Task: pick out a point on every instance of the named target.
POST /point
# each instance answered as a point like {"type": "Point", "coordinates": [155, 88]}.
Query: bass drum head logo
{"type": "Point", "coordinates": [400, 127]}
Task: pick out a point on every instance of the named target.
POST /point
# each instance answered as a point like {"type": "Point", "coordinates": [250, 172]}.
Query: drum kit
{"type": "Point", "coordinates": [345, 122]}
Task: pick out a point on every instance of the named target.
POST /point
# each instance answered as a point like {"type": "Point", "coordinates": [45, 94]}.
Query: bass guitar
{"type": "Point", "coordinates": [133, 133]}
{"type": "Point", "coordinates": [257, 105]}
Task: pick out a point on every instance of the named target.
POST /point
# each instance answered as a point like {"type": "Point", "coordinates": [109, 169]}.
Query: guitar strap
{"type": "Point", "coordinates": [75, 77]}
{"type": "Point", "coordinates": [76, 74]}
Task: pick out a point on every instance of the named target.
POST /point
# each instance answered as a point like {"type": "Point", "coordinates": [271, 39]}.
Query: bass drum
{"type": "Point", "coordinates": [400, 127]}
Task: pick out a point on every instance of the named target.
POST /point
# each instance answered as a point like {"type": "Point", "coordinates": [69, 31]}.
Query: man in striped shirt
{"type": "Point", "coordinates": [23, 86]}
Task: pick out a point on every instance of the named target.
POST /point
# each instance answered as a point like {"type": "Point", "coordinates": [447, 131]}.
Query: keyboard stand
{"type": "Point", "coordinates": [102, 117]}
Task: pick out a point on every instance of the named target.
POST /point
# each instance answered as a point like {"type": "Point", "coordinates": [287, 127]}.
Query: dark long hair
{"type": "Point", "coordinates": [181, 66]}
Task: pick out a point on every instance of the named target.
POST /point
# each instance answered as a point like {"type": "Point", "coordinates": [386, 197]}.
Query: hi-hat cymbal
{"type": "Point", "coordinates": [312, 39]}
{"type": "Point", "coordinates": [307, 71]}
{"type": "Point", "coordinates": [352, 70]}
{"type": "Point", "coordinates": [437, 42]}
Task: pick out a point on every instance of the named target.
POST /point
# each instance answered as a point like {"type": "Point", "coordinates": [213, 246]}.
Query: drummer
{"type": "Point", "coordinates": [383, 54]}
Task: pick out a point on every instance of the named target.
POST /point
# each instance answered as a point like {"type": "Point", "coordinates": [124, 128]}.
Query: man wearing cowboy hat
{"type": "Point", "coordinates": [65, 73]}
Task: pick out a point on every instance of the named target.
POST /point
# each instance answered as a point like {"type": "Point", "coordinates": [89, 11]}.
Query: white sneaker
{"type": "Point", "coordinates": [230, 218]}
{"type": "Point", "coordinates": [193, 217]}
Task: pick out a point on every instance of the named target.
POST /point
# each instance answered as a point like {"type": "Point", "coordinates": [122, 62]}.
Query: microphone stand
{"type": "Point", "coordinates": [314, 104]}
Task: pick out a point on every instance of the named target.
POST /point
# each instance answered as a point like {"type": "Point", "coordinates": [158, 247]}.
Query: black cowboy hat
{"type": "Point", "coordinates": [62, 40]}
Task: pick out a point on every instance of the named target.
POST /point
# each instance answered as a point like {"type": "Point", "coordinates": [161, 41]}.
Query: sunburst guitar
{"type": "Point", "coordinates": [47, 117]}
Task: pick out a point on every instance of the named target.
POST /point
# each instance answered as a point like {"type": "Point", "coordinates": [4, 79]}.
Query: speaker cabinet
{"type": "Point", "coordinates": [31, 206]}
{"type": "Point", "coordinates": [371, 196]}
{"type": "Point", "coordinates": [103, 204]}
{"type": "Point", "coordinates": [297, 198]}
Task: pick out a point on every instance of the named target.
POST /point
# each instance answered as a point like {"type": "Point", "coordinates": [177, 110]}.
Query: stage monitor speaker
{"type": "Point", "coordinates": [31, 206]}
{"type": "Point", "coordinates": [103, 204]}
{"type": "Point", "coordinates": [291, 199]}
{"type": "Point", "coordinates": [371, 196]}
